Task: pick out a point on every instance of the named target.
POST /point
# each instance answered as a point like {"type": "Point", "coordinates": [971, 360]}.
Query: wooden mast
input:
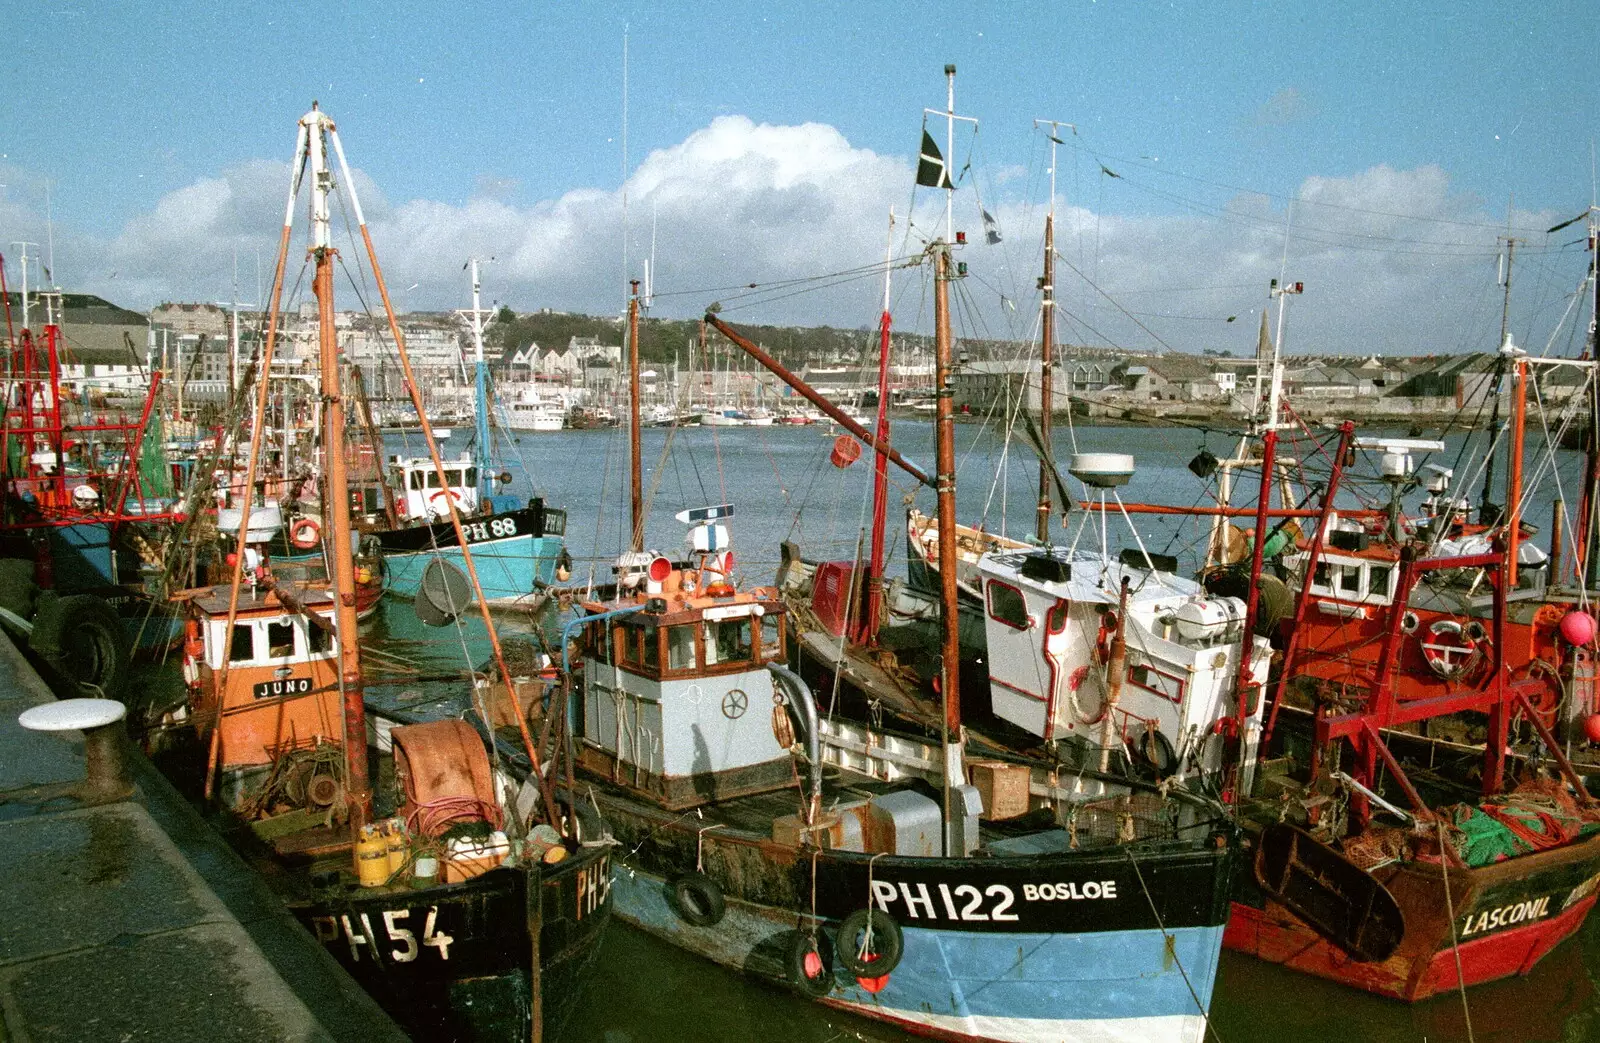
{"type": "Point", "coordinates": [945, 485]}
{"type": "Point", "coordinates": [335, 499]}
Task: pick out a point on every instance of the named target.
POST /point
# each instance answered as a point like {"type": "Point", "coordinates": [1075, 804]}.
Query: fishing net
{"type": "Point", "coordinates": [1538, 815]}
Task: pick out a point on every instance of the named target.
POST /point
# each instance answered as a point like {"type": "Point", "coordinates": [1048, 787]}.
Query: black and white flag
{"type": "Point", "coordinates": [931, 169]}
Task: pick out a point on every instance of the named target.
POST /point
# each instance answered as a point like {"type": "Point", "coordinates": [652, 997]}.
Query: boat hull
{"type": "Point", "coordinates": [1508, 916]}
{"type": "Point", "coordinates": [519, 946]}
{"type": "Point", "coordinates": [513, 556]}
{"type": "Point", "coordinates": [1068, 966]}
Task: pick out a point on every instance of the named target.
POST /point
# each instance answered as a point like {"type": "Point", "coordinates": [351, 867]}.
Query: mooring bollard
{"type": "Point", "coordinates": [106, 776]}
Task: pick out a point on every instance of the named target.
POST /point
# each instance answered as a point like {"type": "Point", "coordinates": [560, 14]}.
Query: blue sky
{"type": "Point", "coordinates": [767, 141]}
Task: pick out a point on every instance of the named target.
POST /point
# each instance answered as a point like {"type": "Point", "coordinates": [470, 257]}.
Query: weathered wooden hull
{"type": "Point", "coordinates": [1111, 944]}
{"type": "Point", "coordinates": [501, 957]}
{"type": "Point", "coordinates": [1508, 916]}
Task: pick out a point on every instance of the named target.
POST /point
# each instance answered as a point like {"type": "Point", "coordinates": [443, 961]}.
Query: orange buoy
{"type": "Point", "coordinates": [846, 451]}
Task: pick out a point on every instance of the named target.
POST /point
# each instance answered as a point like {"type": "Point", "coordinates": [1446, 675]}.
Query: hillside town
{"type": "Point", "coordinates": [202, 348]}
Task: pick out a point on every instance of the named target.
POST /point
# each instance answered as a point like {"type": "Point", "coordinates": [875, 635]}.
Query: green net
{"type": "Point", "coordinates": [1481, 839]}
{"type": "Point", "coordinates": [155, 477]}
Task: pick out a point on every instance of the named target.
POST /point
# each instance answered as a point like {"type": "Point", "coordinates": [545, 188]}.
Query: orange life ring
{"type": "Point", "coordinates": [305, 533]}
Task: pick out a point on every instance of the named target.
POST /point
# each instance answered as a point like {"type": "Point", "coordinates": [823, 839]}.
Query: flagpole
{"type": "Point", "coordinates": [950, 151]}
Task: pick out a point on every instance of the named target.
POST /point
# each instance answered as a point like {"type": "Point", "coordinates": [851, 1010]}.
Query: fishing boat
{"type": "Point", "coordinates": [520, 547]}
{"type": "Point", "coordinates": [435, 865]}
{"type": "Point", "coordinates": [880, 871]}
{"type": "Point", "coordinates": [1404, 854]}
{"type": "Point", "coordinates": [86, 500]}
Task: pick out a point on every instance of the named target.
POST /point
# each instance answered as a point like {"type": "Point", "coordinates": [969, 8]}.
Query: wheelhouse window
{"type": "Point", "coordinates": [280, 640]}
{"type": "Point", "coordinates": [1380, 579]}
{"type": "Point", "coordinates": [772, 637]}
{"type": "Point", "coordinates": [1164, 685]}
{"type": "Point", "coordinates": [650, 647]}
{"type": "Point", "coordinates": [318, 640]}
{"type": "Point", "coordinates": [728, 641]}
{"type": "Point", "coordinates": [242, 648]}
{"type": "Point", "coordinates": [1006, 605]}
{"type": "Point", "coordinates": [680, 647]}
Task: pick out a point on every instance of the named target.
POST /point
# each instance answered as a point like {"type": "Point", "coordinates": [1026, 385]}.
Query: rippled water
{"type": "Point", "coordinates": [783, 486]}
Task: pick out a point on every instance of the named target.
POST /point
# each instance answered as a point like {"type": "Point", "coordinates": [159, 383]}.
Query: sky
{"type": "Point", "coordinates": [1376, 151]}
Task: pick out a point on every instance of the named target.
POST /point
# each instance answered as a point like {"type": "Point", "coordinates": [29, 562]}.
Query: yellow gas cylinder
{"type": "Point", "coordinates": [372, 857]}
{"type": "Point", "coordinates": [398, 844]}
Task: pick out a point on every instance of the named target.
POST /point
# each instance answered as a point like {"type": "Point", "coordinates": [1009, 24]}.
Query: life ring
{"type": "Point", "coordinates": [191, 671]}
{"type": "Point", "coordinates": [697, 898]}
{"type": "Point", "coordinates": [810, 962]}
{"type": "Point", "coordinates": [83, 639]}
{"type": "Point", "coordinates": [869, 943]}
{"type": "Point", "coordinates": [305, 533]}
{"type": "Point", "coordinates": [1450, 659]}
{"type": "Point", "coordinates": [444, 492]}
{"type": "Point", "coordinates": [1087, 677]}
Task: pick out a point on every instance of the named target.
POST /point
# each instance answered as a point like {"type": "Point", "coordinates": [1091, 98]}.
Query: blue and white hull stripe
{"type": "Point", "coordinates": [1086, 987]}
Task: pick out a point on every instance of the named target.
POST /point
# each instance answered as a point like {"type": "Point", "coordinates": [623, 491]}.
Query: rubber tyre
{"type": "Point", "coordinates": [1163, 763]}
{"type": "Point", "coordinates": [83, 639]}
{"type": "Point", "coordinates": [800, 946]}
{"type": "Point", "coordinates": [888, 944]}
{"type": "Point", "coordinates": [698, 900]}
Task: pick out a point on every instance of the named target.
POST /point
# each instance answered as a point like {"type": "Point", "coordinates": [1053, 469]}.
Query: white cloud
{"type": "Point", "coordinates": [739, 202]}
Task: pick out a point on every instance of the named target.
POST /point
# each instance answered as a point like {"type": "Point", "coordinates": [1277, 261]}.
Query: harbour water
{"type": "Point", "coordinates": [784, 487]}
{"type": "Point", "coordinates": [646, 990]}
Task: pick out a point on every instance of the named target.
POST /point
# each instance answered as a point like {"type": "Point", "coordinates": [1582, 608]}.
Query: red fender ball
{"type": "Point", "coordinates": [1591, 727]}
{"type": "Point", "coordinates": [1577, 628]}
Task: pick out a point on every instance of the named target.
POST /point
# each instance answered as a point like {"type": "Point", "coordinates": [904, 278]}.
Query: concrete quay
{"type": "Point", "coordinates": [133, 921]}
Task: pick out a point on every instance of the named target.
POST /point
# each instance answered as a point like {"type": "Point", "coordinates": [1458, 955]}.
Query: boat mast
{"type": "Point", "coordinates": [635, 467]}
{"type": "Point", "coordinates": [945, 468]}
{"type": "Point", "coordinates": [335, 499]}
{"type": "Point", "coordinates": [880, 462]}
{"type": "Point", "coordinates": [414, 391]}
{"type": "Point", "coordinates": [1047, 286]}
{"type": "Point", "coordinates": [481, 456]}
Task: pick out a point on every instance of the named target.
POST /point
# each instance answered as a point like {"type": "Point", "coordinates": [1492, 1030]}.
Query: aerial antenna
{"type": "Point", "coordinates": [625, 153]}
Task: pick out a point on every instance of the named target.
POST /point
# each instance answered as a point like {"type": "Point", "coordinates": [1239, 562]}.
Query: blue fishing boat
{"type": "Point", "coordinates": [519, 549]}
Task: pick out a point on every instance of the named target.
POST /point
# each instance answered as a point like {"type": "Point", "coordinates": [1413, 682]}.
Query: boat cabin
{"type": "Point", "coordinates": [424, 491]}
{"type": "Point", "coordinates": [1050, 619]}
{"type": "Point", "coordinates": [674, 635]}
{"type": "Point", "coordinates": [281, 690]}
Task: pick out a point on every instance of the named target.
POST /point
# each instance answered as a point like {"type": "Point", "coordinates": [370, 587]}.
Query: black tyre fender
{"type": "Point", "coordinates": [82, 638]}
{"type": "Point", "coordinates": [697, 898]}
{"type": "Point", "coordinates": [801, 946]}
{"type": "Point", "coordinates": [1153, 754]}
{"type": "Point", "coordinates": [851, 946]}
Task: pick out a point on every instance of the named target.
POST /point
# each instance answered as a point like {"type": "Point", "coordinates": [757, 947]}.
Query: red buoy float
{"type": "Point", "coordinates": [1591, 727]}
{"type": "Point", "coordinates": [1577, 627]}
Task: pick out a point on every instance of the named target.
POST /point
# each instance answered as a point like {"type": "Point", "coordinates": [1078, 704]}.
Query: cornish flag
{"type": "Point", "coordinates": [931, 169]}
